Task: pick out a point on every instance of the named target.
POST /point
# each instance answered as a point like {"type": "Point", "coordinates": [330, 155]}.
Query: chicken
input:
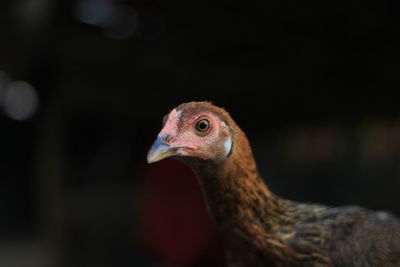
{"type": "Point", "coordinates": [258, 227]}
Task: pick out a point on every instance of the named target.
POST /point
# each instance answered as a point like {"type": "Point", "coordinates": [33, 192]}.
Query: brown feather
{"type": "Point", "coordinates": [262, 229]}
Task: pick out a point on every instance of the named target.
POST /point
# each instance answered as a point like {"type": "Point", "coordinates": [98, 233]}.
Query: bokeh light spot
{"type": "Point", "coordinates": [123, 24]}
{"type": "Point", "coordinates": [21, 100]}
{"type": "Point", "coordinates": [119, 21]}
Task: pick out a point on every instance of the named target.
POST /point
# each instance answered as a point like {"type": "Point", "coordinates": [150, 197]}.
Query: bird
{"type": "Point", "coordinates": [258, 227]}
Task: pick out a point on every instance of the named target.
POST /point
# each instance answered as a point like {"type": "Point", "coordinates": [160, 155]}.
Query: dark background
{"type": "Point", "coordinates": [84, 85]}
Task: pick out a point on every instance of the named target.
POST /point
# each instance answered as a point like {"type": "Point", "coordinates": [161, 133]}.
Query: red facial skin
{"type": "Point", "coordinates": [188, 141]}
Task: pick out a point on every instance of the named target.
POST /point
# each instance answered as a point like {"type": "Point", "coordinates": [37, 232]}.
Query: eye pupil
{"type": "Point", "coordinates": [202, 125]}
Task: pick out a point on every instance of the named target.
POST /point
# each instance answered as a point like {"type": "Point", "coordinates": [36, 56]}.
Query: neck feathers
{"type": "Point", "coordinates": [234, 191]}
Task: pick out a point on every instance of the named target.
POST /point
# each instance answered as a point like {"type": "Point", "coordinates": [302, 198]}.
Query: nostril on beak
{"type": "Point", "coordinates": [167, 138]}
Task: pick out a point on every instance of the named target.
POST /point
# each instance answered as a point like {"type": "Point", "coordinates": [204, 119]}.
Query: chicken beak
{"type": "Point", "coordinates": [160, 150]}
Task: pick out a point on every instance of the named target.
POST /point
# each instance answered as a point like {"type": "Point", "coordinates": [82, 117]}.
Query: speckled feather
{"type": "Point", "coordinates": [262, 229]}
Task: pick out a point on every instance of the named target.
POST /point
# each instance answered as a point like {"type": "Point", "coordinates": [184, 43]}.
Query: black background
{"type": "Point", "coordinates": [313, 84]}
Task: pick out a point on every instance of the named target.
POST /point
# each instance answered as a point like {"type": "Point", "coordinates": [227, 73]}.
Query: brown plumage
{"type": "Point", "coordinates": [258, 227]}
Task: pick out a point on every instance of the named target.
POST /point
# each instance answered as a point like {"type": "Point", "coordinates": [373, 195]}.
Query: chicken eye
{"type": "Point", "coordinates": [202, 125]}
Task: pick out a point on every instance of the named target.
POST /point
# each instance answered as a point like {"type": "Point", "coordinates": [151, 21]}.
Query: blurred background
{"type": "Point", "coordinates": [84, 85]}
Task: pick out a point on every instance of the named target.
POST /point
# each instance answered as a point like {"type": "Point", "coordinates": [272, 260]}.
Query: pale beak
{"type": "Point", "coordinates": [160, 150]}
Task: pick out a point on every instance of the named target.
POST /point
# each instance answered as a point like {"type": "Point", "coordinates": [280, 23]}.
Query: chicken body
{"type": "Point", "coordinates": [258, 227]}
{"type": "Point", "coordinates": [320, 236]}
